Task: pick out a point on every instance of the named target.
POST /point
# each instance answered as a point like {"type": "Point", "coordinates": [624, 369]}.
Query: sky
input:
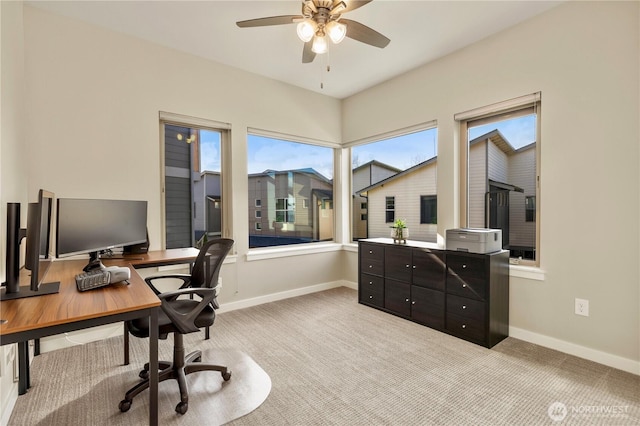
{"type": "Point", "coordinates": [210, 151]}
{"type": "Point", "coordinates": [401, 152]}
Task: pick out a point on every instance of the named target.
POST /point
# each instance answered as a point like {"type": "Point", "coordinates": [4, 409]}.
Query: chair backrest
{"type": "Point", "coordinates": [207, 266]}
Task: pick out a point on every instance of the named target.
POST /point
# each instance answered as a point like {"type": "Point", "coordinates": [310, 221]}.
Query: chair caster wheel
{"type": "Point", "coordinates": [144, 374]}
{"type": "Point", "coordinates": [182, 407]}
{"type": "Point", "coordinates": [124, 405]}
{"type": "Point", "coordinates": [226, 376]}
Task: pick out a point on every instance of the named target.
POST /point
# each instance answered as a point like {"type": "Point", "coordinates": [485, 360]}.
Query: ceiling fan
{"type": "Point", "coordinates": [321, 19]}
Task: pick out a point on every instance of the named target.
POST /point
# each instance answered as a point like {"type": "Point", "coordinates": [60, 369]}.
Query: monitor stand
{"type": "Point", "coordinates": [25, 291]}
{"type": "Point", "coordinates": [94, 262]}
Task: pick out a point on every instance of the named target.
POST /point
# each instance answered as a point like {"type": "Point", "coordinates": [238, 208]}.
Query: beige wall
{"type": "Point", "coordinates": [13, 174]}
{"type": "Point", "coordinates": [96, 94]}
{"type": "Point", "coordinates": [590, 111]}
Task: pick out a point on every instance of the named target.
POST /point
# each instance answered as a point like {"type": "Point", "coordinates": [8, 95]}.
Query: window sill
{"type": "Point", "coordinates": [528, 272]}
{"type": "Point", "coordinates": [294, 250]}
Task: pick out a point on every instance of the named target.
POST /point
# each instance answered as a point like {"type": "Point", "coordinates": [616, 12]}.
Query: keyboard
{"type": "Point", "coordinates": [92, 279]}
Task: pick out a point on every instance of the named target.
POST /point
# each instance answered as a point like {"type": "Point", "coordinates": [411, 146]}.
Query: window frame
{"type": "Point", "coordinates": [512, 108]}
{"type": "Point", "coordinates": [226, 193]}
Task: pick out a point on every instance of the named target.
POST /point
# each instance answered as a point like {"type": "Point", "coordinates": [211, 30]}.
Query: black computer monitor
{"type": "Point", "coordinates": [94, 226]}
{"type": "Point", "coordinates": [39, 253]}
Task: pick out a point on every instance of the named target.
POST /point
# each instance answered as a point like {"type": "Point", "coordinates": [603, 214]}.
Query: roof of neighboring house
{"type": "Point", "coordinates": [500, 141]}
{"type": "Point", "coordinates": [377, 163]}
{"type": "Point", "coordinates": [363, 192]}
{"type": "Point", "coordinates": [307, 170]}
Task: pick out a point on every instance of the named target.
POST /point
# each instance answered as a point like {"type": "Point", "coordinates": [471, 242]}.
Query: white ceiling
{"type": "Point", "coordinates": [420, 32]}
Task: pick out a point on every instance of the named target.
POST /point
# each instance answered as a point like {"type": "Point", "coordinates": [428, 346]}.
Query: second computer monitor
{"type": "Point", "coordinates": [91, 226]}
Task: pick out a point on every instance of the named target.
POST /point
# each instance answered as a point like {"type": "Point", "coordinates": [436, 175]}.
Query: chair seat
{"type": "Point", "coordinates": [140, 327]}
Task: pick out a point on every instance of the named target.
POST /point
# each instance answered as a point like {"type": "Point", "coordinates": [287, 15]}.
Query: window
{"type": "Point", "coordinates": [390, 209]}
{"type": "Point", "coordinates": [428, 209]}
{"type": "Point", "coordinates": [258, 226]}
{"type": "Point", "coordinates": [389, 174]}
{"type": "Point", "coordinates": [194, 208]}
{"type": "Point", "coordinates": [258, 213]}
{"type": "Point", "coordinates": [294, 182]}
{"type": "Point", "coordinates": [258, 203]}
{"type": "Point", "coordinates": [501, 147]}
{"type": "Point", "coordinates": [530, 208]}
{"type": "Point", "coordinates": [285, 210]}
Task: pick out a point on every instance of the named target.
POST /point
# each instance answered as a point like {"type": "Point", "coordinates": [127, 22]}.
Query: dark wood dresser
{"type": "Point", "coordinates": [462, 294]}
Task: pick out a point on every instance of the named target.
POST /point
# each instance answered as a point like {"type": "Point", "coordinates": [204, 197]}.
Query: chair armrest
{"type": "Point", "coordinates": [186, 280]}
{"type": "Point", "coordinates": [185, 322]}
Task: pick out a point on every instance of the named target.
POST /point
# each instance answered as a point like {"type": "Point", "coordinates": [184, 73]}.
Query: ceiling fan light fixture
{"type": "Point", "coordinates": [336, 31]}
{"type": "Point", "coordinates": [319, 45]}
{"type": "Point", "coordinates": [306, 30]}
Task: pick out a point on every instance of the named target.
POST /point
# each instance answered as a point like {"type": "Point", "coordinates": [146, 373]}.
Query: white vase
{"type": "Point", "coordinates": [399, 234]}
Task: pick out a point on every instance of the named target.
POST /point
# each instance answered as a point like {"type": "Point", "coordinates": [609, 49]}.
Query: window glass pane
{"type": "Point", "coordinates": [193, 192]}
{"type": "Point", "coordinates": [294, 182]}
{"type": "Point", "coordinates": [502, 179]}
{"type": "Point", "coordinates": [399, 170]}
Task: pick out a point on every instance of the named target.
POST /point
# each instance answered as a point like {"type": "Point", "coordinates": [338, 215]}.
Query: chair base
{"type": "Point", "coordinates": [177, 370]}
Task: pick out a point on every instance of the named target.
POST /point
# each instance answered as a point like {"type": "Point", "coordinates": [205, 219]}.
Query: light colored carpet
{"type": "Point", "coordinates": [83, 386]}
{"type": "Point", "coordinates": [335, 362]}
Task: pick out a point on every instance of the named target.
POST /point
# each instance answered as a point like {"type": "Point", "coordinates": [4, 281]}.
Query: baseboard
{"type": "Point", "coordinates": [246, 303]}
{"type": "Point", "coordinates": [594, 355]}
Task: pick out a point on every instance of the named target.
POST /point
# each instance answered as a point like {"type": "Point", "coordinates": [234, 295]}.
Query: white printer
{"type": "Point", "coordinates": [474, 240]}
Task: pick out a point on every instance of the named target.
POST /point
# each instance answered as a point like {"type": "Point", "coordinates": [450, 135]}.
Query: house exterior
{"type": "Point", "coordinates": [502, 190]}
{"type": "Point", "coordinates": [207, 203]}
{"type": "Point", "coordinates": [362, 177]}
{"type": "Point", "coordinates": [292, 206]}
{"type": "Point", "coordinates": [405, 195]}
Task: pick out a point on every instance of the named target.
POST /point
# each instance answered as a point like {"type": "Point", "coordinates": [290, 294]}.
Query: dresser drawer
{"type": "Point", "coordinates": [465, 328]}
{"type": "Point", "coordinates": [372, 266]}
{"type": "Point", "coordinates": [372, 252]}
{"type": "Point", "coordinates": [371, 290]}
{"type": "Point", "coordinates": [474, 310]}
{"type": "Point", "coordinates": [467, 276]}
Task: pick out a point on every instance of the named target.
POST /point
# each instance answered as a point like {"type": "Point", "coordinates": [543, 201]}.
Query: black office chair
{"type": "Point", "coordinates": [181, 316]}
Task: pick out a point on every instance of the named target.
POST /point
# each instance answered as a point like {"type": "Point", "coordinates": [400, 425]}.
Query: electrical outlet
{"type": "Point", "coordinates": [582, 307]}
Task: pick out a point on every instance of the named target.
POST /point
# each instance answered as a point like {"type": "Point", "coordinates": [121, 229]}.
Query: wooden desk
{"type": "Point", "coordinates": [70, 310]}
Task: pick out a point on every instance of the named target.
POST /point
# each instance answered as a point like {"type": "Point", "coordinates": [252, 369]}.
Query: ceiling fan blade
{"type": "Point", "coordinates": [351, 5]}
{"type": "Point", "coordinates": [272, 20]}
{"type": "Point", "coordinates": [308, 55]}
{"type": "Point", "coordinates": [364, 34]}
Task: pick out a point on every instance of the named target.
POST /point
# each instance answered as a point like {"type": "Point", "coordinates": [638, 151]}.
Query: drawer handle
{"type": "Point", "coordinates": [406, 300]}
{"type": "Point", "coordinates": [370, 297]}
{"type": "Point", "coordinates": [370, 282]}
{"type": "Point", "coordinates": [464, 266]}
{"type": "Point", "coordinates": [464, 306]}
{"type": "Point", "coordinates": [370, 266]}
{"type": "Point", "coordinates": [464, 326]}
{"type": "Point", "coordinates": [463, 285]}
{"type": "Point", "coordinates": [413, 302]}
{"type": "Point", "coordinates": [414, 266]}
{"type": "Point", "coordinates": [407, 266]}
{"type": "Point", "coordinates": [370, 251]}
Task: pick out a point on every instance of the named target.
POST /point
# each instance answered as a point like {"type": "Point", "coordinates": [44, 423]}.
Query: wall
{"type": "Point", "coordinates": [94, 94]}
{"type": "Point", "coordinates": [589, 160]}
{"type": "Point", "coordinates": [13, 177]}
